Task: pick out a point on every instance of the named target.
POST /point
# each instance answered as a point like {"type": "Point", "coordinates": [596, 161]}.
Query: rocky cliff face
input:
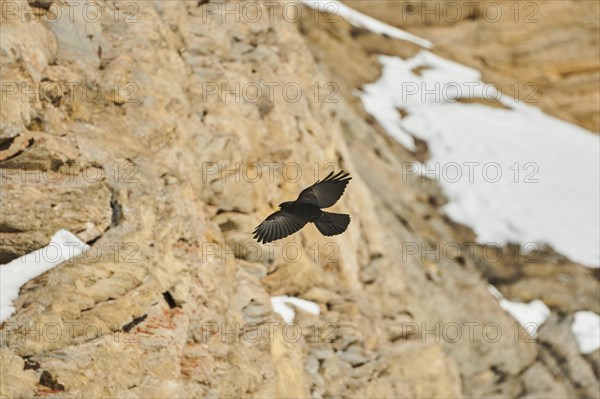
{"type": "Point", "coordinates": [162, 133]}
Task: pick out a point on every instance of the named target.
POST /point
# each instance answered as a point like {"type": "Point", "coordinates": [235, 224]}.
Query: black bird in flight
{"type": "Point", "coordinates": [307, 208]}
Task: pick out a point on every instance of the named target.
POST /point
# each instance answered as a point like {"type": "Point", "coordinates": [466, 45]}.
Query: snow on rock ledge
{"type": "Point", "coordinates": [361, 20]}
{"type": "Point", "coordinates": [13, 275]}
{"type": "Point", "coordinates": [529, 315]}
{"type": "Point", "coordinates": [586, 328]}
{"type": "Point", "coordinates": [512, 175]}
{"type": "Point", "coordinates": [281, 307]}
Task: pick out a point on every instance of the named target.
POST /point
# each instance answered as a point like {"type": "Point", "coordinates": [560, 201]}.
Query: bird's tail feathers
{"type": "Point", "coordinates": [331, 224]}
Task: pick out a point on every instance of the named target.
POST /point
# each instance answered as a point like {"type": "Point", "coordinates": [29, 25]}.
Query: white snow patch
{"type": "Point", "coordinates": [529, 315]}
{"type": "Point", "coordinates": [586, 328]}
{"type": "Point", "coordinates": [13, 275]}
{"type": "Point", "coordinates": [280, 306]}
{"type": "Point", "coordinates": [512, 175]}
{"type": "Point", "coordinates": [360, 20]}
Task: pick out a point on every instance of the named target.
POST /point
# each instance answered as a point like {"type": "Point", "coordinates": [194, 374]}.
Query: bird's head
{"type": "Point", "coordinates": [285, 205]}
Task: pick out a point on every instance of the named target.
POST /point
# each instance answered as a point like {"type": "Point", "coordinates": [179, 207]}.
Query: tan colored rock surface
{"type": "Point", "coordinates": [170, 300]}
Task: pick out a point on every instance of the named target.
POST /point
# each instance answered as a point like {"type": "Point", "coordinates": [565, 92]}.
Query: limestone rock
{"type": "Point", "coordinates": [152, 160]}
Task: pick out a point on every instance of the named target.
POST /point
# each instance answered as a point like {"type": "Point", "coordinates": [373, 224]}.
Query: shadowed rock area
{"type": "Point", "coordinates": [142, 145]}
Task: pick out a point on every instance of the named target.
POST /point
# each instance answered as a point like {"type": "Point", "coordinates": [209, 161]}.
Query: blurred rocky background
{"type": "Point", "coordinates": [131, 144]}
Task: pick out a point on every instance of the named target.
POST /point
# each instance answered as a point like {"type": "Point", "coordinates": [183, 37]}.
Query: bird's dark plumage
{"type": "Point", "coordinates": [307, 208]}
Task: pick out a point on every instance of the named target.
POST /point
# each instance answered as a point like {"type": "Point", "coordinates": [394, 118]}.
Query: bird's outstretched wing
{"type": "Point", "coordinates": [324, 193]}
{"type": "Point", "coordinates": [278, 225]}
